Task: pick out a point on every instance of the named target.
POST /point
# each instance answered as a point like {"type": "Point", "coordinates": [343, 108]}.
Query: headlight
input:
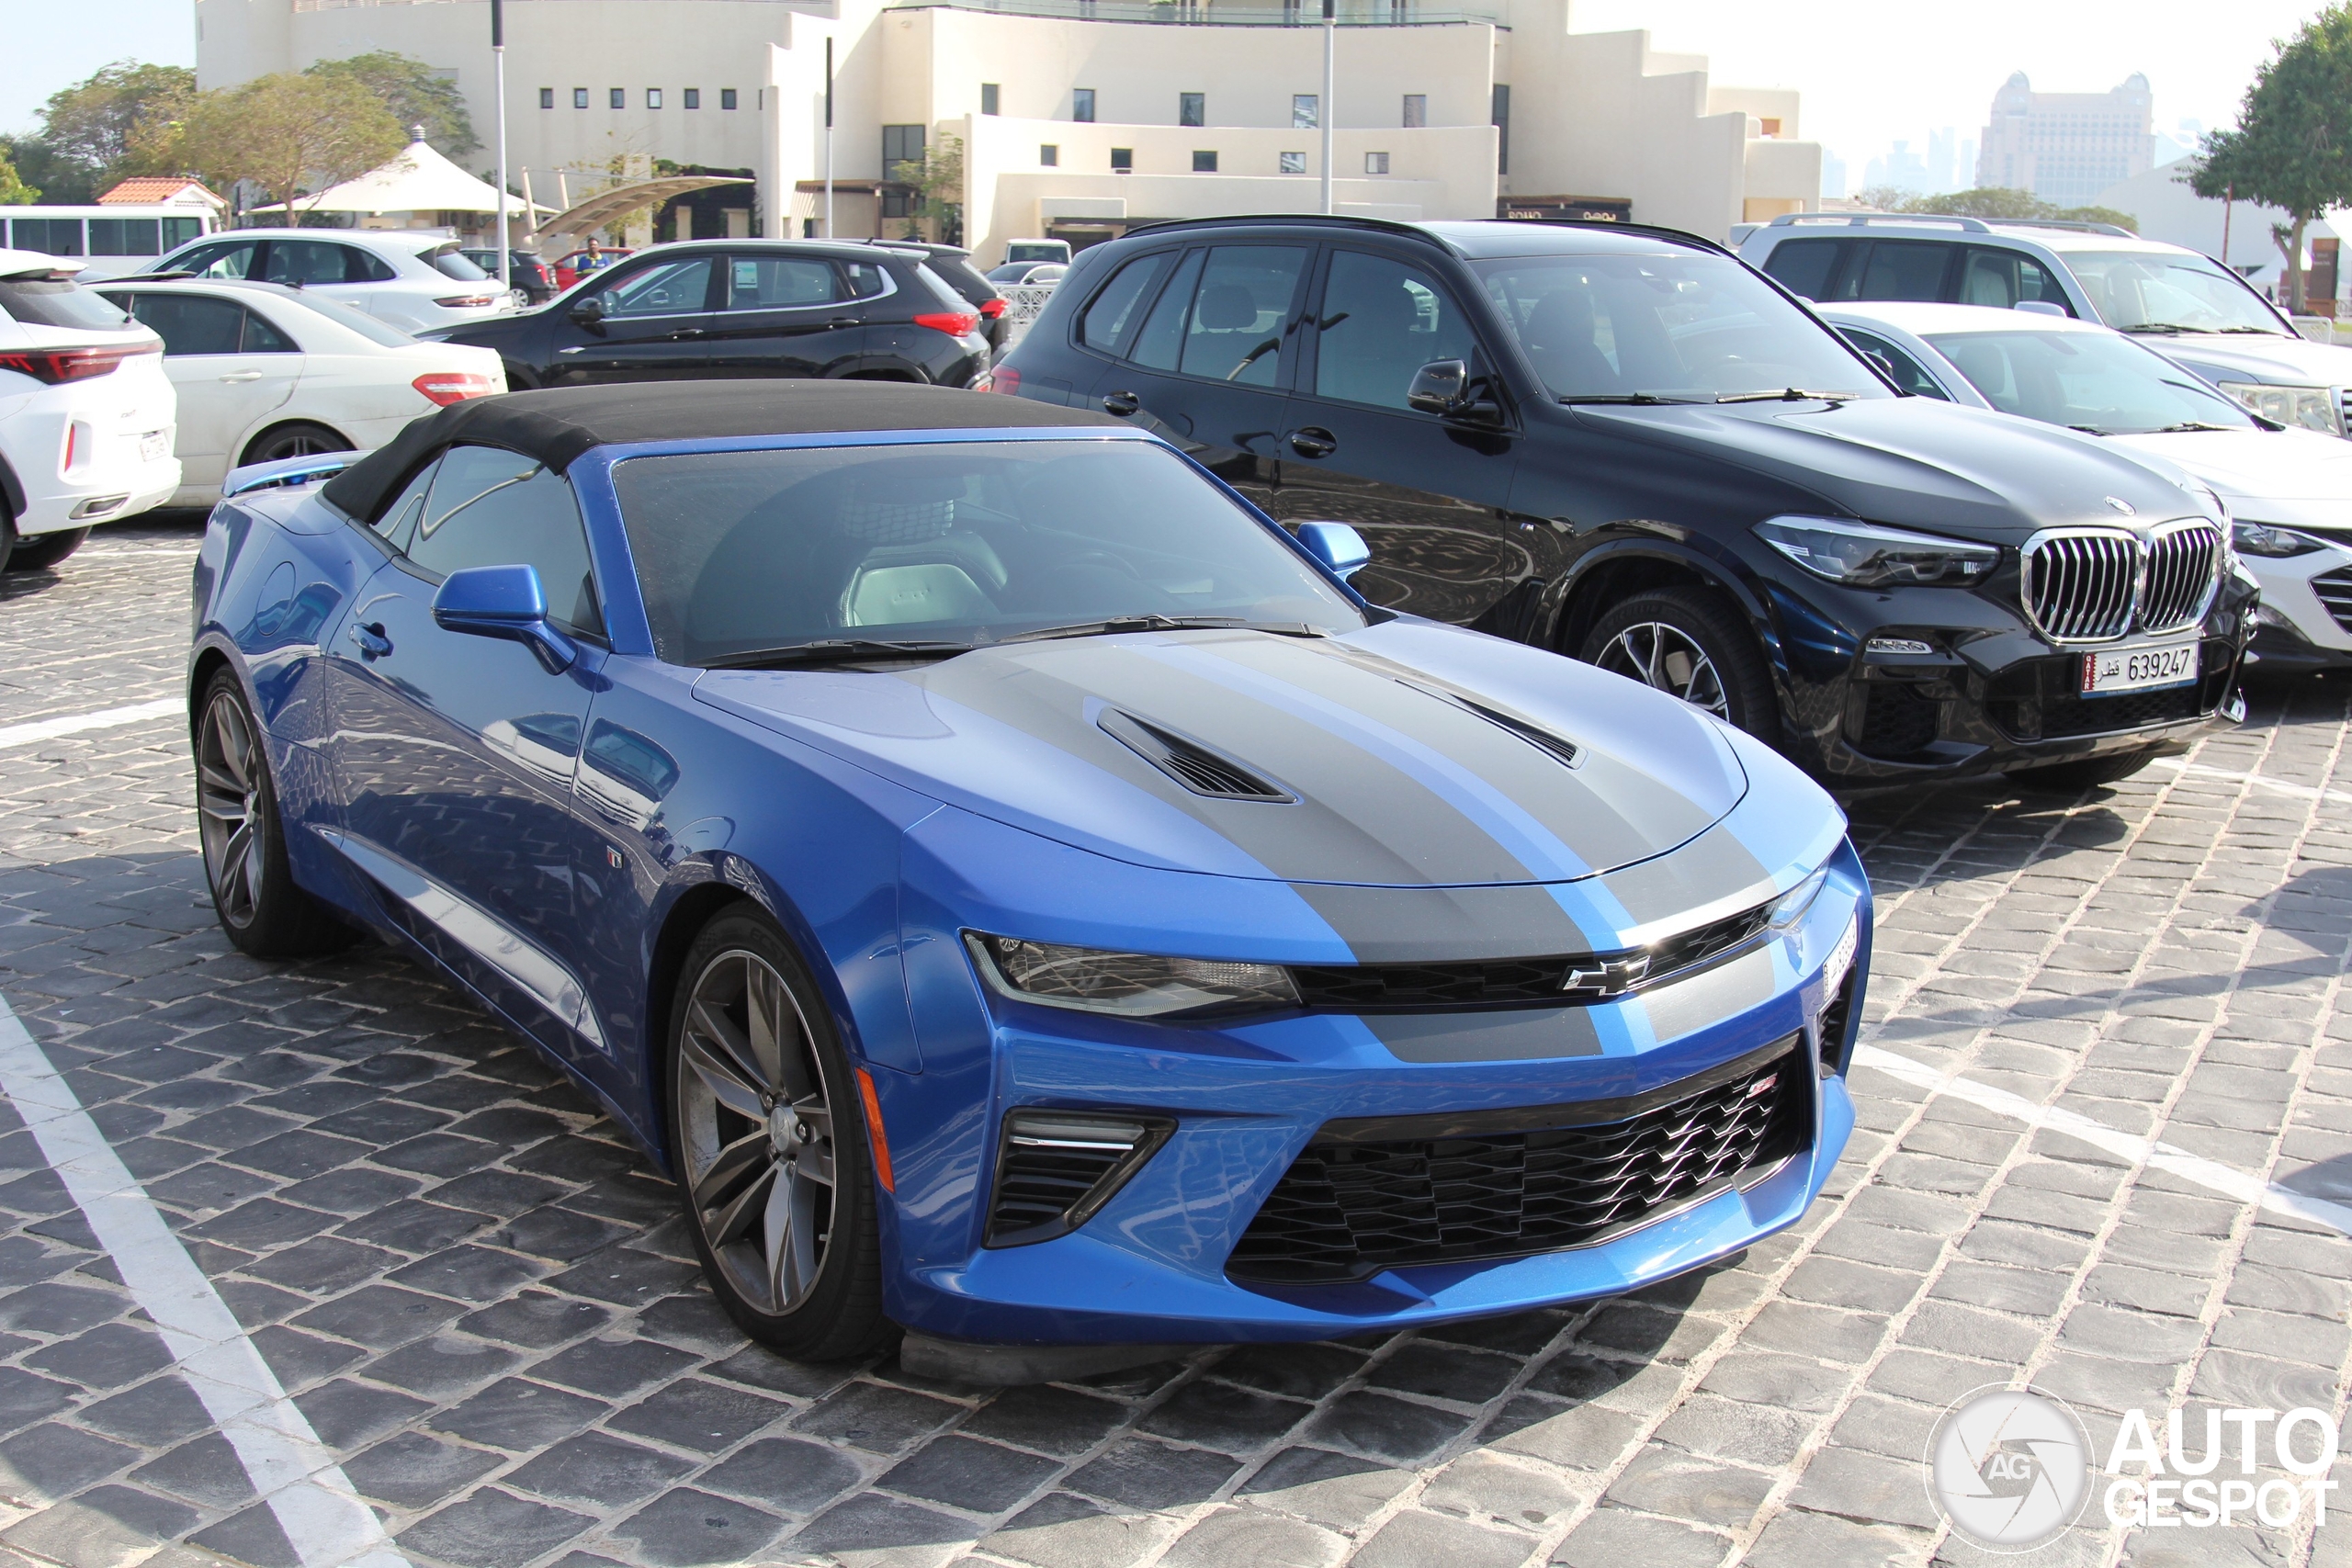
{"type": "Point", "coordinates": [1863, 555]}
{"type": "Point", "coordinates": [2312, 407]}
{"type": "Point", "coordinates": [1797, 900]}
{"type": "Point", "coordinates": [2274, 544]}
{"type": "Point", "coordinates": [1130, 985]}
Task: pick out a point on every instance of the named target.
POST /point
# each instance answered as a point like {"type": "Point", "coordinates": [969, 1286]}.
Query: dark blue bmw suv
{"type": "Point", "coordinates": [1626, 446]}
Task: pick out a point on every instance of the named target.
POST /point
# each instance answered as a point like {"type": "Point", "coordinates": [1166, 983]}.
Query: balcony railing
{"type": "Point", "coordinates": [1212, 13]}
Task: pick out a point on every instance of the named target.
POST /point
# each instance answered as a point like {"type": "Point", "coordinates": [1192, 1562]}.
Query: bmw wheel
{"type": "Point", "coordinates": [768, 1142]}
{"type": "Point", "coordinates": [245, 844]}
{"type": "Point", "coordinates": [1692, 643]}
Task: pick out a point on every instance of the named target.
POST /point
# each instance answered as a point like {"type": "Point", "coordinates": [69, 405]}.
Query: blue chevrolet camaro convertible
{"type": "Point", "coordinates": [1020, 892]}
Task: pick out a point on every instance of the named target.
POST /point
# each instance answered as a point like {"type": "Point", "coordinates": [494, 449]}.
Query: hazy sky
{"type": "Point", "coordinates": [1871, 70]}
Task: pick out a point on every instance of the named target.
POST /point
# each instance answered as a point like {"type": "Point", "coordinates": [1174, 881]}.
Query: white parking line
{"type": "Point", "coordinates": [2137, 1150]}
{"type": "Point", "coordinates": [2341, 797]}
{"type": "Point", "coordinates": [74, 724]}
{"type": "Point", "coordinates": [322, 1518]}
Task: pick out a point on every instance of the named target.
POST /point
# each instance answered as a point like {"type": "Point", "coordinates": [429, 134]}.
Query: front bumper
{"type": "Point", "coordinates": [2298, 628]}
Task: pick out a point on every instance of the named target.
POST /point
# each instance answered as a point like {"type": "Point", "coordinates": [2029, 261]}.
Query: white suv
{"type": "Point", "coordinates": [86, 416]}
{"type": "Point", "coordinates": [412, 279]}
{"type": "Point", "coordinates": [2186, 306]}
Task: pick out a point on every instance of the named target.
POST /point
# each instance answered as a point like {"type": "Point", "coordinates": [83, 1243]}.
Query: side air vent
{"type": "Point", "coordinates": [1194, 766]}
{"type": "Point", "coordinates": [1054, 1169]}
{"type": "Point", "coordinates": [1566, 752]}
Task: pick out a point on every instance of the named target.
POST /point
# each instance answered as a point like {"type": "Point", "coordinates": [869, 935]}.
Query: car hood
{"type": "Point", "coordinates": [2267, 475]}
{"type": "Point", "coordinates": [1915, 462]}
{"type": "Point", "coordinates": [1400, 753]}
{"type": "Point", "coordinates": [2247, 356]}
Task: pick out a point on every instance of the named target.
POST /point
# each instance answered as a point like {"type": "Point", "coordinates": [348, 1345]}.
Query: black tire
{"type": "Point", "coordinates": [299, 439]}
{"type": "Point", "coordinates": [2087, 772]}
{"type": "Point", "coordinates": [8, 539]}
{"type": "Point", "coordinates": [245, 867]}
{"type": "Point", "coordinates": [1694, 644]}
{"type": "Point", "coordinates": [44, 551]}
{"type": "Point", "coordinates": [814, 1291]}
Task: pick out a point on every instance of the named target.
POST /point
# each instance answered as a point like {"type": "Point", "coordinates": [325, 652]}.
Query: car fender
{"type": "Point", "coordinates": [1719, 569]}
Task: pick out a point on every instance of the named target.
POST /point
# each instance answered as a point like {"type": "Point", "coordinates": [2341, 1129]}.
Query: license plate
{"type": "Point", "coordinates": [2146, 667]}
{"type": "Point", "coordinates": [154, 445]}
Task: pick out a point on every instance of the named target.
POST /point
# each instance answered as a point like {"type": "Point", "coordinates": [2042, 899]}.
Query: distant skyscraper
{"type": "Point", "coordinates": [1902, 168]}
{"type": "Point", "coordinates": [2066, 147]}
{"type": "Point", "coordinates": [1963, 166]}
{"type": "Point", "coordinates": [1939, 159]}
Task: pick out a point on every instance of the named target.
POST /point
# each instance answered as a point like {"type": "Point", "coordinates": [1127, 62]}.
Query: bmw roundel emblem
{"type": "Point", "coordinates": [2123, 506]}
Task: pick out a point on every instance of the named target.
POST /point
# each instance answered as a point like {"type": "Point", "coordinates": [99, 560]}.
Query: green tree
{"type": "Point", "coordinates": [1992, 203]}
{"type": "Point", "coordinates": [414, 95]}
{"type": "Point", "coordinates": [15, 192]}
{"type": "Point", "coordinates": [2292, 148]}
{"type": "Point", "coordinates": [286, 133]}
{"type": "Point", "coordinates": [96, 127]}
{"type": "Point", "coordinates": [938, 182]}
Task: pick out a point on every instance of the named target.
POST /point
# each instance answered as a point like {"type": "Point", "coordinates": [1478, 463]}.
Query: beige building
{"type": "Point", "coordinates": [1081, 118]}
{"type": "Point", "coordinates": [2067, 147]}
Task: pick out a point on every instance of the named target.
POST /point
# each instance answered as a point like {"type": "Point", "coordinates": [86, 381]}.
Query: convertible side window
{"type": "Point", "coordinates": [490, 507]}
{"type": "Point", "coordinates": [397, 525]}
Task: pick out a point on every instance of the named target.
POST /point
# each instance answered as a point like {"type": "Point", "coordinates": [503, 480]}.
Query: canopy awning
{"type": "Point", "coordinates": [605, 205]}
{"type": "Point", "coordinates": [418, 180]}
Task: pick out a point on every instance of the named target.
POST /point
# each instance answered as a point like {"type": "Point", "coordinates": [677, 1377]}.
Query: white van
{"type": "Point", "coordinates": [110, 240]}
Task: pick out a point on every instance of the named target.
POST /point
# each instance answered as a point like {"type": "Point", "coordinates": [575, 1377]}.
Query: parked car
{"type": "Point", "coordinates": [953, 264]}
{"type": "Point", "coordinates": [2188, 307]}
{"type": "Point", "coordinates": [2289, 491]}
{"type": "Point", "coordinates": [1012, 274]}
{"type": "Point", "coordinates": [264, 372]}
{"type": "Point", "coordinates": [534, 277]}
{"type": "Point", "coordinates": [412, 280]}
{"type": "Point", "coordinates": [1623, 444]}
{"type": "Point", "coordinates": [1037, 251]}
{"type": "Point", "coordinates": [733, 309]}
{"type": "Point", "coordinates": [573, 265]}
{"type": "Point", "coordinates": [86, 412]}
{"type": "Point", "coordinates": [1017, 892]}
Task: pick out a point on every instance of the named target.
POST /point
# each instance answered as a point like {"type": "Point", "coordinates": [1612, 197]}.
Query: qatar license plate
{"type": "Point", "coordinates": [154, 445]}
{"type": "Point", "coordinates": [2146, 667]}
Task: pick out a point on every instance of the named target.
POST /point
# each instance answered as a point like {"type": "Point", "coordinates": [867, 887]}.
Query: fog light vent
{"type": "Point", "coordinates": [1054, 1169]}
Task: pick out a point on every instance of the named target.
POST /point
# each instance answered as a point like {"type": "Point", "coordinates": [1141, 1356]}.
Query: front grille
{"type": "Point", "coordinates": [1391, 1192]}
{"type": "Point", "coordinates": [2334, 591]}
{"type": "Point", "coordinates": [2079, 586]}
{"type": "Point", "coordinates": [1897, 720]}
{"type": "Point", "coordinates": [1524, 982]}
{"type": "Point", "coordinates": [2184, 563]}
{"type": "Point", "coordinates": [2069, 716]}
{"type": "Point", "coordinates": [2041, 699]}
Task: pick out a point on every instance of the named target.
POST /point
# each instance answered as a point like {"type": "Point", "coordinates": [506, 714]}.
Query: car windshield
{"type": "Point", "coordinates": [352, 318]}
{"type": "Point", "coordinates": [2159, 291]}
{"type": "Point", "coordinates": [2086, 380]}
{"type": "Point", "coordinates": [449, 262]}
{"type": "Point", "coordinates": [956, 543]}
{"type": "Point", "coordinates": [1673, 326]}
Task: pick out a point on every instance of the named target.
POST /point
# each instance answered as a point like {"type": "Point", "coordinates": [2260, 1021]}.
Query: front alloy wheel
{"type": "Point", "coordinates": [1659, 655]}
{"type": "Point", "coordinates": [1693, 643]}
{"type": "Point", "coordinates": [232, 810]}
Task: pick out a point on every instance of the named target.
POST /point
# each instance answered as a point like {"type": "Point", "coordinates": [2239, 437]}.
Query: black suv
{"type": "Point", "coordinates": [1625, 445]}
{"type": "Point", "coordinates": [715, 308]}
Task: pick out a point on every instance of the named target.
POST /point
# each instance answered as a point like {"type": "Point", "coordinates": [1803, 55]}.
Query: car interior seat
{"type": "Point", "coordinates": [1559, 338]}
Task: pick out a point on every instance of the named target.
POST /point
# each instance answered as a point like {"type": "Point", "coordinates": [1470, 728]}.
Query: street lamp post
{"type": "Point", "coordinates": [1330, 26]}
{"type": "Point", "coordinates": [829, 137]}
{"type": "Point", "coordinates": [498, 58]}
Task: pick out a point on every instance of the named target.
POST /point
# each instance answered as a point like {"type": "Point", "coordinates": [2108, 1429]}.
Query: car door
{"type": "Point", "coordinates": [456, 753]}
{"type": "Point", "coordinates": [646, 324]}
{"type": "Point", "coordinates": [779, 315]}
{"type": "Point", "coordinates": [1428, 492]}
{"type": "Point", "coordinates": [1210, 364]}
{"type": "Point", "coordinates": [230, 367]}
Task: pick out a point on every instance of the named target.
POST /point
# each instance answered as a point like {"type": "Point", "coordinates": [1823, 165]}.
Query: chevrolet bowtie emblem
{"type": "Point", "coordinates": [1605, 978]}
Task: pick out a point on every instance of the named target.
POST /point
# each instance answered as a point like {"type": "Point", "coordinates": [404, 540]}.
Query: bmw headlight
{"type": "Point", "coordinates": [2310, 407]}
{"type": "Point", "coordinates": [1129, 984]}
{"type": "Point", "coordinates": [1863, 555]}
{"type": "Point", "coordinates": [2272, 544]}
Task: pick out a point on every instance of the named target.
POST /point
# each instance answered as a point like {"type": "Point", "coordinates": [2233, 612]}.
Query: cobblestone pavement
{"type": "Point", "coordinates": [483, 1303]}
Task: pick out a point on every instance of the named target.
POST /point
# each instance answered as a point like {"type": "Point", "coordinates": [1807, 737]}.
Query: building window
{"type": "Point", "coordinates": [1123, 160]}
{"type": "Point", "coordinates": [1767, 128]}
{"type": "Point", "coordinates": [1204, 162]}
{"type": "Point", "coordinates": [617, 96]}
{"type": "Point", "coordinates": [901, 145]}
{"type": "Point", "coordinates": [547, 98]}
{"type": "Point", "coordinates": [1502, 128]}
{"type": "Point", "coordinates": [1375, 162]}
{"type": "Point", "coordinates": [653, 98]}
{"type": "Point", "coordinates": [988, 98]}
{"type": "Point", "coordinates": [579, 98]}
{"type": "Point", "coordinates": [693, 97]}
{"type": "Point", "coordinates": [1416, 111]}
{"type": "Point", "coordinates": [1304, 111]}
{"type": "Point", "coordinates": [1191, 109]}
{"type": "Point", "coordinates": [1293, 162]}
{"type": "Point", "coordinates": [1049, 156]}
{"type": "Point", "coordinates": [898, 203]}
{"type": "Point", "coordinates": [727, 97]}
{"type": "Point", "coordinates": [1081, 104]}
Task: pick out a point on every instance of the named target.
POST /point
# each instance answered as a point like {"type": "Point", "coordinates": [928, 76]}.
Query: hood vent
{"type": "Point", "coordinates": [1567, 753]}
{"type": "Point", "coordinates": [1194, 766]}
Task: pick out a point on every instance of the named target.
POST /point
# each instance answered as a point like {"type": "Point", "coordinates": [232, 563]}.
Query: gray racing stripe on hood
{"type": "Point", "coordinates": [1413, 925]}
{"type": "Point", "coordinates": [1713, 876]}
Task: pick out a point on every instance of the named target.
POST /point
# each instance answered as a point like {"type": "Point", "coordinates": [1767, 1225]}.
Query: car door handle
{"type": "Point", "coordinates": [369, 636]}
{"type": "Point", "coordinates": [1121, 403]}
{"type": "Point", "coordinates": [684, 333]}
{"type": "Point", "coordinates": [846, 322]}
{"type": "Point", "coordinates": [1311, 442]}
{"type": "Point", "coordinates": [241, 375]}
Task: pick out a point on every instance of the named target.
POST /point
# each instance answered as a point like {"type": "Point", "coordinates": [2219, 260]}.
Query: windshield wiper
{"type": "Point", "coordinates": [1164, 624]}
{"type": "Point", "coordinates": [1627, 398]}
{"type": "Point", "coordinates": [2259, 331]}
{"type": "Point", "coordinates": [2091, 429]}
{"type": "Point", "coordinates": [2167, 329]}
{"type": "Point", "coordinates": [844, 648]}
{"type": "Point", "coordinates": [1786, 395]}
{"type": "Point", "coordinates": [2189, 425]}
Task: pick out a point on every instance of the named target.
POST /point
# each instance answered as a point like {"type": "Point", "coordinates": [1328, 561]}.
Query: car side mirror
{"type": "Point", "coordinates": [504, 601]}
{"type": "Point", "coordinates": [1444, 388]}
{"type": "Point", "coordinates": [1339, 548]}
{"type": "Point", "coordinates": [590, 312]}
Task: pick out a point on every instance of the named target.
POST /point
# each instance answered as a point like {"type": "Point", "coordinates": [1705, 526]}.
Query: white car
{"type": "Point", "coordinates": [412, 279]}
{"type": "Point", "coordinates": [265, 371]}
{"type": "Point", "coordinates": [86, 412]}
{"type": "Point", "coordinates": [2289, 491]}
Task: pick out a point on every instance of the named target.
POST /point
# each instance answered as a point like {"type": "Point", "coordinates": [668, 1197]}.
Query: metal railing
{"type": "Point", "coordinates": [1209, 14]}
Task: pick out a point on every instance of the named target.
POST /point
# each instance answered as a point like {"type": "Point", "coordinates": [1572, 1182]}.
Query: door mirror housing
{"type": "Point", "coordinates": [1444, 388]}
{"type": "Point", "coordinates": [589, 312]}
{"type": "Point", "coordinates": [504, 601]}
{"type": "Point", "coordinates": [1339, 548]}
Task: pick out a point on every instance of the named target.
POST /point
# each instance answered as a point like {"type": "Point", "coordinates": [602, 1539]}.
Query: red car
{"type": "Point", "coordinates": [568, 269]}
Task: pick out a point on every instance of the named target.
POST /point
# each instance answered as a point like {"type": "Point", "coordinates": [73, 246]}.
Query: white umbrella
{"type": "Point", "coordinates": [418, 180]}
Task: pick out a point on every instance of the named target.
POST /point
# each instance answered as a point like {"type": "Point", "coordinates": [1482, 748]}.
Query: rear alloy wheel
{"type": "Point", "coordinates": [244, 850]}
{"type": "Point", "coordinates": [1692, 643]}
{"type": "Point", "coordinates": [42, 550]}
{"type": "Point", "coordinates": [294, 441]}
{"type": "Point", "coordinates": [2087, 772]}
{"type": "Point", "coordinates": [769, 1144]}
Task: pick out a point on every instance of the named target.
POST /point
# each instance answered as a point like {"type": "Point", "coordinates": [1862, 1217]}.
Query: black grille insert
{"type": "Point", "coordinates": [1897, 720]}
{"type": "Point", "coordinates": [1386, 1193]}
{"type": "Point", "coordinates": [1054, 1169]}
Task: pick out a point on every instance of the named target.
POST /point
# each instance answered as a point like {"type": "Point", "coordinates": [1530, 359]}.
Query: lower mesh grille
{"type": "Point", "coordinates": [1053, 1172]}
{"type": "Point", "coordinates": [1835, 1018]}
{"type": "Point", "coordinates": [1896, 721]}
{"type": "Point", "coordinates": [2334, 591]}
{"type": "Point", "coordinates": [1391, 1192]}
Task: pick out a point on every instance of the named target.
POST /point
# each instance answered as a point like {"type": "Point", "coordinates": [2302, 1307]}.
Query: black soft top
{"type": "Point", "coordinates": [557, 425]}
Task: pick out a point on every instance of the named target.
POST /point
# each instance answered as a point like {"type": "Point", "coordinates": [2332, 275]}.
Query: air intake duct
{"type": "Point", "coordinates": [1055, 1168]}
